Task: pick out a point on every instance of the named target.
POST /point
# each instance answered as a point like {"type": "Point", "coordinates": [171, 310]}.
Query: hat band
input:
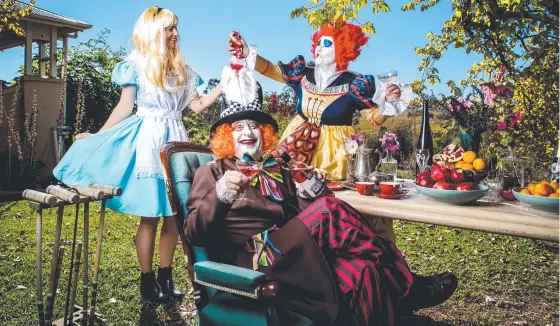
{"type": "Point", "coordinates": [235, 107]}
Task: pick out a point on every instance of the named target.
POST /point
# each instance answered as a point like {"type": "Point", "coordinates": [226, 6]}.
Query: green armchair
{"type": "Point", "coordinates": [224, 294]}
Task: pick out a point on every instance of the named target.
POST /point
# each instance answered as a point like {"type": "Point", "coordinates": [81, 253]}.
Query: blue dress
{"type": "Point", "coordinates": [127, 155]}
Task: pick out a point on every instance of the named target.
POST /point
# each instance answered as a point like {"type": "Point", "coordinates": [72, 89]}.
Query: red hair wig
{"type": "Point", "coordinates": [222, 140]}
{"type": "Point", "coordinates": [348, 39]}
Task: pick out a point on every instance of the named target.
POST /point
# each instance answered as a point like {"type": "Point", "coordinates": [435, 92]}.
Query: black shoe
{"type": "Point", "coordinates": [428, 291]}
{"type": "Point", "coordinates": [150, 289]}
{"type": "Point", "coordinates": [165, 280]}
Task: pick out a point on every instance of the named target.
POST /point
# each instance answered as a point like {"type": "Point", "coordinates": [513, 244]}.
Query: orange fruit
{"type": "Point", "coordinates": [525, 191]}
{"type": "Point", "coordinates": [557, 191]}
{"type": "Point", "coordinates": [554, 185]}
{"type": "Point", "coordinates": [545, 182]}
{"type": "Point", "coordinates": [543, 190]}
{"type": "Point", "coordinates": [469, 156]}
{"type": "Point", "coordinates": [467, 166]}
{"type": "Point", "coordinates": [531, 187]}
{"type": "Point", "coordinates": [554, 195]}
{"type": "Point", "coordinates": [459, 165]}
{"type": "Point", "coordinates": [479, 164]}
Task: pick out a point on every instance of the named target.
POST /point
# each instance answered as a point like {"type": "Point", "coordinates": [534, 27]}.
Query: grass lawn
{"type": "Point", "coordinates": [503, 280]}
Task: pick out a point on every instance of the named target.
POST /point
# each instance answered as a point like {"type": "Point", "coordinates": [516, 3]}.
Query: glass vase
{"type": "Point", "coordinates": [389, 165]}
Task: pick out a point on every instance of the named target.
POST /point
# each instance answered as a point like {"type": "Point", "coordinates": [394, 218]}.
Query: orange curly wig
{"type": "Point", "coordinates": [222, 140]}
{"type": "Point", "coordinates": [348, 39]}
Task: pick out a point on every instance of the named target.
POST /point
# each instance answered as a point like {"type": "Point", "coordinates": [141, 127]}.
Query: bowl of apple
{"type": "Point", "coordinates": [450, 186]}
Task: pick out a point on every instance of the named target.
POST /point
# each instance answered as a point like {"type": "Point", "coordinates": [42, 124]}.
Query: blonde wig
{"type": "Point", "coordinates": [149, 40]}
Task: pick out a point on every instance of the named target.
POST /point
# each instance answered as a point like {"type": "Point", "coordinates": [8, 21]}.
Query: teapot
{"type": "Point", "coordinates": [362, 168]}
{"type": "Point", "coordinates": [377, 177]}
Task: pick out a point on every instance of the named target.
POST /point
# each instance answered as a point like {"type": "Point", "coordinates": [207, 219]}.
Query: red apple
{"type": "Point", "coordinates": [425, 182]}
{"type": "Point", "coordinates": [465, 186]}
{"type": "Point", "coordinates": [508, 194]}
{"type": "Point", "coordinates": [423, 175]}
{"type": "Point", "coordinates": [456, 176]}
{"type": "Point", "coordinates": [444, 185]}
{"type": "Point", "coordinates": [440, 173]}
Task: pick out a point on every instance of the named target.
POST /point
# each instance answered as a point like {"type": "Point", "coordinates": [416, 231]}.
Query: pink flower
{"type": "Point", "coordinates": [454, 108]}
{"type": "Point", "coordinates": [360, 138]}
{"type": "Point", "coordinates": [502, 73]}
{"type": "Point", "coordinates": [488, 89]}
{"type": "Point", "coordinates": [502, 125]}
{"type": "Point", "coordinates": [467, 104]}
{"type": "Point", "coordinates": [516, 118]}
{"type": "Point", "coordinates": [517, 115]}
{"type": "Point", "coordinates": [389, 142]}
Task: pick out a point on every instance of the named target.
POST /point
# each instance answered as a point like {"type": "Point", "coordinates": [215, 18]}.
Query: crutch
{"type": "Point", "coordinates": [54, 265]}
{"type": "Point", "coordinates": [39, 198]}
{"type": "Point", "coordinates": [50, 303]}
{"type": "Point", "coordinates": [70, 198]}
{"type": "Point", "coordinates": [75, 285]}
{"type": "Point", "coordinates": [109, 192]}
{"type": "Point", "coordinates": [94, 194]}
{"type": "Point", "coordinates": [67, 303]}
{"type": "Point", "coordinates": [97, 261]}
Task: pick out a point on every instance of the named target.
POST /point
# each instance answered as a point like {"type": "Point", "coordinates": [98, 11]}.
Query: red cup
{"type": "Point", "coordinates": [365, 188]}
{"type": "Point", "coordinates": [389, 188]}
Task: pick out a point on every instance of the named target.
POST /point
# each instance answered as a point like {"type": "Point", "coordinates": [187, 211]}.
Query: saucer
{"type": "Point", "coordinates": [395, 196]}
{"type": "Point", "coordinates": [349, 185]}
{"type": "Point", "coordinates": [335, 186]}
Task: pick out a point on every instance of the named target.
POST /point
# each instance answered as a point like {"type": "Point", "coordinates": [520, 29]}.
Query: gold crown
{"type": "Point", "coordinates": [336, 21]}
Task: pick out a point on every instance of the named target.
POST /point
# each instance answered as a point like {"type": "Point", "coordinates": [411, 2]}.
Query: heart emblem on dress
{"type": "Point", "coordinates": [308, 146]}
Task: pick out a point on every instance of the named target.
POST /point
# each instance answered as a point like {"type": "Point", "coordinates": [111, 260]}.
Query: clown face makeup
{"type": "Point", "coordinates": [247, 138]}
{"type": "Point", "coordinates": [324, 52]}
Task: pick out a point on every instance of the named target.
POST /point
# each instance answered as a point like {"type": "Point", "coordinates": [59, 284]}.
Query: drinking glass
{"type": "Point", "coordinates": [494, 181]}
{"type": "Point", "coordinates": [249, 169]}
{"type": "Point", "coordinates": [236, 64]}
{"type": "Point", "coordinates": [514, 173]}
{"type": "Point", "coordinates": [422, 157]}
{"type": "Point", "coordinates": [388, 78]}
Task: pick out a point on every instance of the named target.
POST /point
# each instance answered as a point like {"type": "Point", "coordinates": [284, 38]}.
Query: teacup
{"type": "Point", "coordinates": [365, 188]}
{"type": "Point", "coordinates": [389, 188]}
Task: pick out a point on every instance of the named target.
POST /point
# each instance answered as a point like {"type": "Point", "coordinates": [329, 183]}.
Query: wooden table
{"type": "Point", "coordinates": [509, 218]}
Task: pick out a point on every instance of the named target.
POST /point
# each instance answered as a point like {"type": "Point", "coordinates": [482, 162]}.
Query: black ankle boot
{"type": "Point", "coordinates": [165, 280]}
{"type": "Point", "coordinates": [150, 289]}
{"type": "Point", "coordinates": [428, 291]}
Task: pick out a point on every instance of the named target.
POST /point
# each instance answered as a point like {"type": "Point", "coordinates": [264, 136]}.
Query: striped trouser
{"type": "Point", "coordinates": [371, 272]}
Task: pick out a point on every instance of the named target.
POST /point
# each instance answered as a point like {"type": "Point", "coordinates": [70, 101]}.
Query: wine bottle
{"type": "Point", "coordinates": [555, 166]}
{"type": "Point", "coordinates": [425, 140]}
{"type": "Point", "coordinates": [303, 175]}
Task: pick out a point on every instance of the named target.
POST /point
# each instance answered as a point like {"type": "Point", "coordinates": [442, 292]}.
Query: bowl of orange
{"type": "Point", "coordinates": [542, 196]}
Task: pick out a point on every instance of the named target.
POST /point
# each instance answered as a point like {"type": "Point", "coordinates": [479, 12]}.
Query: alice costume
{"type": "Point", "coordinates": [127, 155]}
{"type": "Point", "coordinates": [324, 115]}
